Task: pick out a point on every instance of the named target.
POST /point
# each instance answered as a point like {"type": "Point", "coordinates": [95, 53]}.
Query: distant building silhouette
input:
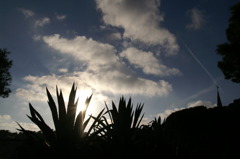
{"type": "Point", "coordinates": [219, 102]}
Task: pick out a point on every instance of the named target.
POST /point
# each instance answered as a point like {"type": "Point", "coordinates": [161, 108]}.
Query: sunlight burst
{"type": "Point", "coordinates": [82, 95]}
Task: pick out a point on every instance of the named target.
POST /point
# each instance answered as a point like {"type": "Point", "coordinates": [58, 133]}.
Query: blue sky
{"type": "Point", "coordinates": [159, 52]}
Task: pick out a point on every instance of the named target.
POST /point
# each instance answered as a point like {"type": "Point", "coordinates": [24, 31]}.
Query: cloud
{"type": "Point", "coordinates": [37, 37]}
{"type": "Point", "coordinates": [83, 49]}
{"type": "Point", "coordinates": [104, 72]}
{"type": "Point", "coordinates": [200, 103]}
{"type": "Point", "coordinates": [147, 62]}
{"type": "Point", "coordinates": [108, 83]}
{"type": "Point", "coordinates": [140, 20]}
{"type": "Point", "coordinates": [27, 13]}
{"type": "Point", "coordinates": [167, 112]}
{"type": "Point", "coordinates": [63, 70]}
{"type": "Point", "coordinates": [118, 83]}
{"type": "Point", "coordinates": [42, 22]}
{"type": "Point", "coordinates": [5, 118]}
{"type": "Point", "coordinates": [7, 123]}
{"type": "Point", "coordinates": [197, 19]}
{"type": "Point", "coordinates": [37, 22]}
{"type": "Point", "coordinates": [115, 36]}
{"type": "Point", "coordinates": [61, 17]}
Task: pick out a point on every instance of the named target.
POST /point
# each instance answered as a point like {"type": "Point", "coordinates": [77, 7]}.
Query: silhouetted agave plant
{"type": "Point", "coordinates": [69, 129]}
{"type": "Point", "coordinates": [124, 123]}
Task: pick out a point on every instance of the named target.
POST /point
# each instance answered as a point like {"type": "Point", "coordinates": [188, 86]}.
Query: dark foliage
{"type": "Point", "coordinates": [204, 133]}
{"type": "Point", "coordinates": [121, 135]}
{"type": "Point", "coordinates": [230, 51]}
{"type": "Point", "coordinates": [198, 132]}
{"type": "Point", "coordinates": [5, 76]}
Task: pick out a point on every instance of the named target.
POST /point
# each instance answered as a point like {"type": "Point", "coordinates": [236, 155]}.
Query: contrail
{"type": "Point", "coordinates": [199, 62]}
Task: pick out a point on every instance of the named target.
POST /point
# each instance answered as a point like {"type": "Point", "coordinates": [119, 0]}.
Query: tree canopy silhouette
{"type": "Point", "coordinates": [230, 64]}
{"type": "Point", "coordinates": [5, 76]}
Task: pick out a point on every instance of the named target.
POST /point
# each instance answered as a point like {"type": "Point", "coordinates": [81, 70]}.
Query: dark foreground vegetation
{"type": "Point", "coordinates": [197, 132]}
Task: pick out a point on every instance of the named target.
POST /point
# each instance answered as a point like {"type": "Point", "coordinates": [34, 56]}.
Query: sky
{"type": "Point", "coordinates": [158, 52]}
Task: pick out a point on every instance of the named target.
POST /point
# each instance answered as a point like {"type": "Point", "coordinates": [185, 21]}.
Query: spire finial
{"type": "Point", "coordinates": [219, 102]}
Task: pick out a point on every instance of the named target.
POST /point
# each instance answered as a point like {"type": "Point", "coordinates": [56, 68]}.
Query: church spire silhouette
{"type": "Point", "coordinates": [219, 102]}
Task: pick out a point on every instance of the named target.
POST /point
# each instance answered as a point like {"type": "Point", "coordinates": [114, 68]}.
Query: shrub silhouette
{"type": "Point", "coordinates": [204, 133]}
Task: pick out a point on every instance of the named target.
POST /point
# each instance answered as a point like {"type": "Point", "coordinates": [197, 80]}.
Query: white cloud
{"type": "Point", "coordinates": [115, 36]}
{"type": "Point", "coordinates": [147, 62]}
{"type": "Point", "coordinates": [119, 83]}
{"type": "Point", "coordinates": [28, 126]}
{"type": "Point", "coordinates": [197, 19]}
{"type": "Point", "coordinates": [140, 21]}
{"type": "Point", "coordinates": [5, 118]}
{"type": "Point", "coordinates": [83, 49]}
{"type": "Point", "coordinates": [30, 94]}
{"type": "Point", "coordinates": [192, 104]}
{"type": "Point", "coordinates": [27, 13]}
{"type": "Point", "coordinates": [110, 82]}
{"type": "Point", "coordinates": [63, 70]}
{"type": "Point", "coordinates": [37, 37]}
{"type": "Point", "coordinates": [37, 22]}
{"type": "Point", "coordinates": [104, 72]}
{"type": "Point", "coordinates": [146, 121]}
{"type": "Point", "coordinates": [41, 22]}
{"type": "Point", "coordinates": [201, 103]}
{"type": "Point", "coordinates": [7, 123]}
{"type": "Point", "coordinates": [61, 17]}
{"type": "Point", "coordinates": [167, 112]}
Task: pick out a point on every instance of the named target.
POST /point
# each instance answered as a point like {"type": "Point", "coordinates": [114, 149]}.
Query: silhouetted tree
{"type": "Point", "coordinates": [202, 132]}
{"type": "Point", "coordinates": [230, 64]}
{"type": "Point", "coordinates": [5, 76]}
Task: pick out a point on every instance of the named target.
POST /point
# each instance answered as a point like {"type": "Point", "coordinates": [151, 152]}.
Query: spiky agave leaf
{"type": "Point", "coordinates": [80, 124]}
{"type": "Point", "coordinates": [129, 113]}
{"type": "Point", "coordinates": [156, 123]}
{"type": "Point", "coordinates": [123, 121]}
{"type": "Point", "coordinates": [137, 120]}
{"type": "Point", "coordinates": [61, 107]}
{"type": "Point", "coordinates": [87, 101]}
{"type": "Point", "coordinates": [53, 109]}
{"type": "Point", "coordinates": [38, 120]}
{"type": "Point", "coordinates": [78, 128]}
{"type": "Point", "coordinates": [108, 112]}
{"type": "Point", "coordinates": [102, 127]}
{"type": "Point", "coordinates": [114, 112]}
{"type": "Point", "coordinates": [72, 107]}
{"type": "Point", "coordinates": [95, 122]}
{"type": "Point", "coordinates": [32, 135]}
